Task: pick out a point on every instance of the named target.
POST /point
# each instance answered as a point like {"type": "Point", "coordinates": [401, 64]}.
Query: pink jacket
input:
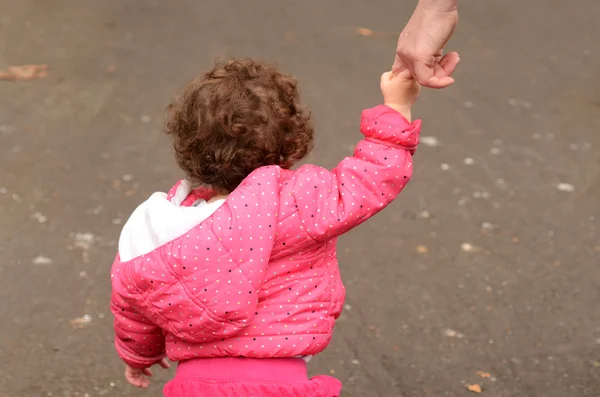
{"type": "Point", "coordinates": [255, 275]}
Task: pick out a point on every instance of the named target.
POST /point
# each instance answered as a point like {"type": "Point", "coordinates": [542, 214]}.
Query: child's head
{"type": "Point", "coordinates": [239, 116]}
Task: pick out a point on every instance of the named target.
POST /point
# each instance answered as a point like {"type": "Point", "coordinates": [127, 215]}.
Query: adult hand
{"type": "Point", "coordinates": [421, 43]}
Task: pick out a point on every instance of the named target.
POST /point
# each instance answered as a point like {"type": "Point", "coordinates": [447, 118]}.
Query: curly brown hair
{"type": "Point", "coordinates": [241, 115]}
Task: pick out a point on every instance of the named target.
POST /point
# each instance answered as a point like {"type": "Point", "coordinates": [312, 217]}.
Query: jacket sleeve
{"type": "Point", "coordinates": [139, 342]}
{"type": "Point", "coordinates": [331, 203]}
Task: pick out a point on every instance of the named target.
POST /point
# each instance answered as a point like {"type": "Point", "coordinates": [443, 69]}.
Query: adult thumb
{"type": "Point", "coordinates": [399, 65]}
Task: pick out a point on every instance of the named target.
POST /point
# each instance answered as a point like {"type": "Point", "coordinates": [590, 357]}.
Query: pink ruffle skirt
{"type": "Point", "coordinates": [247, 377]}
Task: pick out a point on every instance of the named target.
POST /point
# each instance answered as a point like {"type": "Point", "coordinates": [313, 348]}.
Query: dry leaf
{"type": "Point", "coordinates": [421, 249]}
{"type": "Point", "coordinates": [483, 374]}
{"type": "Point", "coordinates": [24, 72]}
{"type": "Point", "coordinates": [468, 247]}
{"type": "Point", "coordinates": [42, 260]}
{"type": "Point", "coordinates": [371, 33]}
{"type": "Point", "coordinates": [365, 32]}
{"type": "Point", "coordinates": [81, 322]}
{"type": "Point", "coordinates": [474, 388]}
{"type": "Point", "coordinates": [450, 333]}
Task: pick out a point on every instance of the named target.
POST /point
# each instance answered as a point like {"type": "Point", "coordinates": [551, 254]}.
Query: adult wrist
{"type": "Point", "coordinates": [439, 5]}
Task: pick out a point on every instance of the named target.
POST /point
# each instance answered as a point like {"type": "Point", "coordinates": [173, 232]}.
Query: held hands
{"type": "Point", "coordinates": [139, 376]}
{"type": "Point", "coordinates": [421, 43]}
{"type": "Point", "coordinates": [400, 91]}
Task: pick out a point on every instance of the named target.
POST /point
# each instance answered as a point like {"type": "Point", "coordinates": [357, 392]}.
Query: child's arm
{"type": "Point", "coordinates": [333, 202]}
{"type": "Point", "coordinates": [138, 341]}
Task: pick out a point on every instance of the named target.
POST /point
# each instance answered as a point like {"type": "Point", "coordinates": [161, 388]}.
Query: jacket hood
{"type": "Point", "coordinates": [161, 219]}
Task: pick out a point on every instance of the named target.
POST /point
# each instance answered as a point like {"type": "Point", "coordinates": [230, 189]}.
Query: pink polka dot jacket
{"type": "Point", "coordinates": [254, 275]}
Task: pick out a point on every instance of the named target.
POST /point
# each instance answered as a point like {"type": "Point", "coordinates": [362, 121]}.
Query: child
{"type": "Point", "coordinates": [233, 273]}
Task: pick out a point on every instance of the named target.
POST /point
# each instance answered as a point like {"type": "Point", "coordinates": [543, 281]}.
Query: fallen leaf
{"type": "Point", "coordinates": [488, 226]}
{"type": "Point", "coordinates": [483, 374]}
{"type": "Point", "coordinates": [565, 187]}
{"type": "Point", "coordinates": [371, 33]}
{"type": "Point", "coordinates": [42, 260]}
{"type": "Point", "coordinates": [474, 388]}
{"type": "Point", "coordinates": [468, 247]}
{"type": "Point", "coordinates": [421, 249]}
{"type": "Point", "coordinates": [364, 32]}
{"type": "Point", "coordinates": [38, 216]}
{"type": "Point", "coordinates": [424, 214]}
{"type": "Point", "coordinates": [81, 322]}
{"type": "Point", "coordinates": [84, 241]}
{"type": "Point", "coordinates": [429, 141]}
{"type": "Point", "coordinates": [450, 333]}
{"type": "Point", "coordinates": [24, 72]}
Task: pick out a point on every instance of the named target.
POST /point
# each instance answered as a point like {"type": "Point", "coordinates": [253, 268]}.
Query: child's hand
{"type": "Point", "coordinates": [400, 91]}
{"type": "Point", "coordinates": [138, 376]}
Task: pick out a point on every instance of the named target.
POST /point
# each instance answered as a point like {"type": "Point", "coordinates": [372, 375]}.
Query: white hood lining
{"type": "Point", "coordinates": [157, 221]}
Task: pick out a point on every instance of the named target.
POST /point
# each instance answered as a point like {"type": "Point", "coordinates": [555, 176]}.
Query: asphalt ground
{"type": "Point", "coordinates": [489, 261]}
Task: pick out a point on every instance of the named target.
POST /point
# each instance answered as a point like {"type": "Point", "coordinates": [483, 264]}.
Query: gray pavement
{"type": "Point", "coordinates": [488, 262]}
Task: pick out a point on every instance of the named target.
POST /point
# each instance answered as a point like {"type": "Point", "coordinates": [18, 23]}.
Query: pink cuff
{"type": "Point", "coordinates": [134, 360]}
{"type": "Point", "coordinates": [384, 125]}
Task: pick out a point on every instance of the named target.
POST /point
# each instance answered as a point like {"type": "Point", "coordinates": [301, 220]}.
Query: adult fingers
{"type": "Point", "coordinates": [449, 63]}
{"type": "Point", "coordinates": [438, 75]}
{"type": "Point", "coordinates": [423, 72]}
{"type": "Point", "coordinates": [437, 82]}
{"type": "Point", "coordinates": [399, 65]}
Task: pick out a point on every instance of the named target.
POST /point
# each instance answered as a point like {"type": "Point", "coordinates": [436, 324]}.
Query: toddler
{"type": "Point", "coordinates": [233, 273]}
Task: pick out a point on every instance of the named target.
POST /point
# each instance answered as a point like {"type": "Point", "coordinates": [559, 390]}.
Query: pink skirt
{"type": "Point", "coordinates": [248, 377]}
